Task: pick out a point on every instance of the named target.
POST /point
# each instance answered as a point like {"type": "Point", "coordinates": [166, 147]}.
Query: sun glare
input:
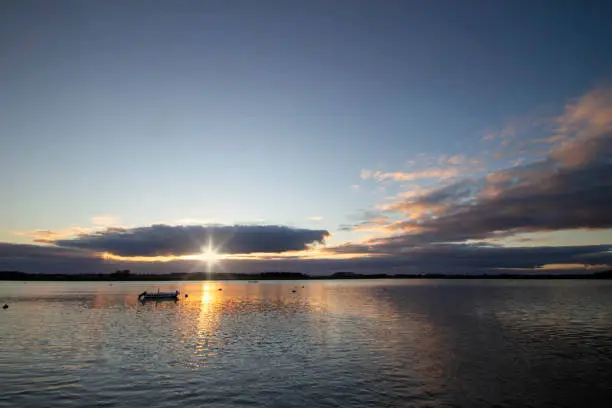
{"type": "Point", "coordinates": [209, 255]}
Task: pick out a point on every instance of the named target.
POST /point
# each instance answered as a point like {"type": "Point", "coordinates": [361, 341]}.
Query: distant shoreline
{"type": "Point", "coordinates": [126, 276]}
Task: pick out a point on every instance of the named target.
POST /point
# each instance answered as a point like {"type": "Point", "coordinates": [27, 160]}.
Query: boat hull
{"type": "Point", "coordinates": [159, 296]}
{"type": "Point", "coordinates": [150, 297]}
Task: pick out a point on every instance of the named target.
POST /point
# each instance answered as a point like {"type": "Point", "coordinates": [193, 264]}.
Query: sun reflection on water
{"type": "Point", "coordinates": [207, 296]}
{"type": "Point", "coordinates": [208, 322]}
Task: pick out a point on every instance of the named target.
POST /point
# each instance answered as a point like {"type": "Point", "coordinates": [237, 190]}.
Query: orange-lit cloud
{"type": "Point", "coordinates": [47, 236]}
{"type": "Point", "coordinates": [113, 257]}
{"type": "Point", "coordinates": [586, 123]}
{"type": "Point", "coordinates": [566, 186]}
{"type": "Point", "coordinates": [561, 267]}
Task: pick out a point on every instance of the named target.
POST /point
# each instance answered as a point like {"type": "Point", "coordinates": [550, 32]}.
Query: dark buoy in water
{"type": "Point", "coordinates": [186, 295]}
{"type": "Point", "coordinates": [220, 289]}
{"type": "Point", "coordinates": [293, 291]}
{"type": "Point", "coordinates": [5, 306]}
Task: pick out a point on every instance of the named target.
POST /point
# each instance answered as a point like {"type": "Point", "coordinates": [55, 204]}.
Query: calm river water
{"type": "Point", "coordinates": [380, 343]}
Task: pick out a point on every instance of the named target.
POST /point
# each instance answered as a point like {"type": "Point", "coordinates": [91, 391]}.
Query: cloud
{"type": "Point", "coordinates": [433, 200]}
{"type": "Point", "coordinates": [437, 258]}
{"type": "Point", "coordinates": [463, 160]}
{"type": "Point", "coordinates": [22, 251]}
{"type": "Point", "coordinates": [563, 199]}
{"type": "Point", "coordinates": [48, 259]}
{"type": "Point", "coordinates": [488, 136]}
{"type": "Point", "coordinates": [315, 218]}
{"type": "Point", "coordinates": [376, 223]}
{"type": "Point", "coordinates": [49, 236]}
{"type": "Point", "coordinates": [458, 159]}
{"type": "Point", "coordinates": [550, 140]}
{"type": "Point", "coordinates": [167, 240]}
{"type": "Point", "coordinates": [104, 220]}
{"type": "Point", "coordinates": [433, 173]}
{"type": "Point", "coordinates": [570, 188]}
{"type": "Point", "coordinates": [512, 128]}
{"type": "Point", "coordinates": [46, 236]}
{"type": "Point", "coordinates": [507, 132]}
{"type": "Point", "coordinates": [587, 125]}
{"type": "Point", "coordinates": [464, 258]}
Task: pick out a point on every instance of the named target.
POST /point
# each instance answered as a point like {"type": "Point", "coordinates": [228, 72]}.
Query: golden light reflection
{"type": "Point", "coordinates": [207, 296]}
{"type": "Point", "coordinates": [212, 257]}
{"type": "Point", "coordinates": [208, 322]}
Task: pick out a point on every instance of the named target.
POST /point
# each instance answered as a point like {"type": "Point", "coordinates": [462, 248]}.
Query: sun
{"type": "Point", "coordinates": [209, 255]}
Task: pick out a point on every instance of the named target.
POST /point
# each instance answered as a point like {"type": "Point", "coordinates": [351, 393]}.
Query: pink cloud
{"type": "Point", "coordinates": [586, 126]}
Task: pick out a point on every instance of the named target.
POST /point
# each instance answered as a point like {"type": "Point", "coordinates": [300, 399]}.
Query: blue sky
{"type": "Point", "coordinates": [268, 112]}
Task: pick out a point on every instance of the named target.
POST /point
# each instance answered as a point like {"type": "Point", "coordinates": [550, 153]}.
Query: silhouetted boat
{"type": "Point", "coordinates": [159, 295]}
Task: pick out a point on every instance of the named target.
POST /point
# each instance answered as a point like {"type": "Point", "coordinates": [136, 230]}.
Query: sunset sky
{"type": "Point", "coordinates": [313, 136]}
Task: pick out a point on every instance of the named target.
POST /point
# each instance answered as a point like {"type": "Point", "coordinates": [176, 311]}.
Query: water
{"type": "Point", "coordinates": [382, 343]}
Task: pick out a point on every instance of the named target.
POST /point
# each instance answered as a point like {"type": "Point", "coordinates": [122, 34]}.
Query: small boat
{"type": "Point", "coordinates": [159, 295]}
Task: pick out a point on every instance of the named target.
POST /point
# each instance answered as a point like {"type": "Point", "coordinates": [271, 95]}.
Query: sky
{"type": "Point", "coordinates": [404, 136]}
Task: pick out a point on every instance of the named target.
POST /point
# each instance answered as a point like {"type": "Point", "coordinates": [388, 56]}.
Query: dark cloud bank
{"type": "Point", "coordinates": [83, 253]}
{"type": "Point", "coordinates": [438, 258]}
{"type": "Point", "coordinates": [167, 240]}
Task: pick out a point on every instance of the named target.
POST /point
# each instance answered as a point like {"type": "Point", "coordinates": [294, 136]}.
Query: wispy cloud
{"type": "Point", "coordinates": [549, 140]}
{"type": "Point", "coordinates": [463, 160]}
{"type": "Point", "coordinates": [509, 131]}
{"type": "Point", "coordinates": [105, 220]}
{"type": "Point", "coordinates": [514, 127]}
{"type": "Point", "coordinates": [433, 173]}
{"type": "Point", "coordinates": [378, 223]}
{"type": "Point", "coordinates": [47, 236]}
{"type": "Point", "coordinates": [99, 223]}
{"type": "Point", "coordinates": [390, 258]}
{"type": "Point", "coordinates": [316, 218]}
